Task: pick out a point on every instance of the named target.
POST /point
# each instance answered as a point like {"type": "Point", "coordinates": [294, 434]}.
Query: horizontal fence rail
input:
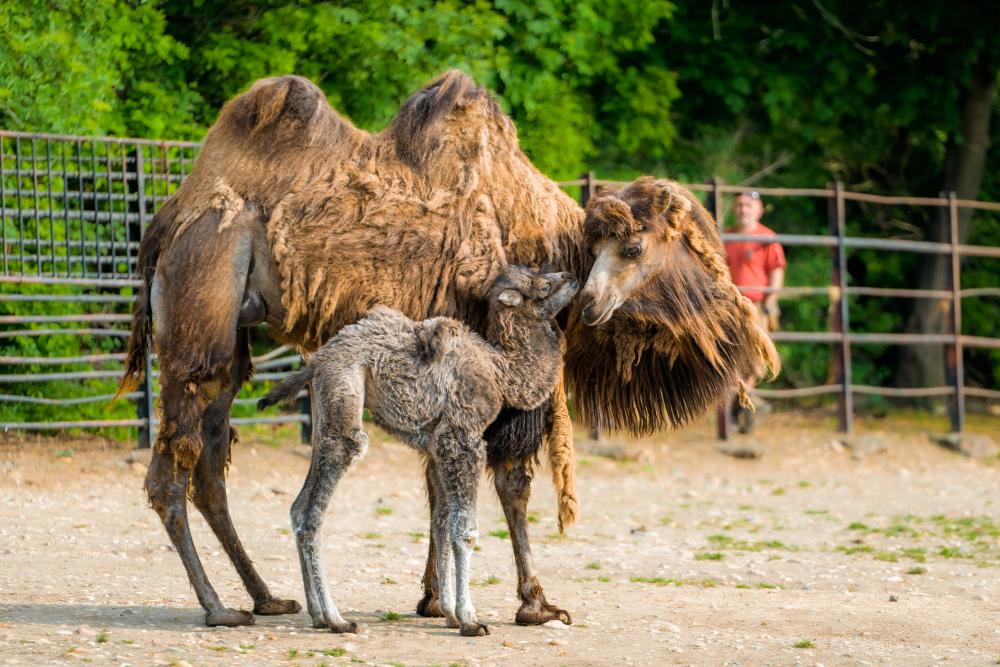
{"type": "Point", "coordinates": [74, 209]}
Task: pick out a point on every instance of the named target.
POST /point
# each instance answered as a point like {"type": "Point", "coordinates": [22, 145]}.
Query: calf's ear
{"type": "Point", "coordinates": [510, 297]}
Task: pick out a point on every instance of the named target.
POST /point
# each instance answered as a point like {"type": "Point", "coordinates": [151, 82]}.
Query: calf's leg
{"type": "Point", "coordinates": [338, 440]}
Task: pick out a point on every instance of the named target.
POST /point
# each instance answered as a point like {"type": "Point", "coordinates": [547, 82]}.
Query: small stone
{"type": "Point", "coordinates": [749, 449]}
{"type": "Point", "coordinates": [556, 642]}
{"type": "Point", "coordinates": [867, 445]}
{"type": "Point", "coordinates": [893, 598]}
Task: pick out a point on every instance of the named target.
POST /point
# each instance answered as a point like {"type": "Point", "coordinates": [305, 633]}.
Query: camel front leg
{"type": "Point", "coordinates": [430, 605]}
{"type": "Point", "coordinates": [513, 486]}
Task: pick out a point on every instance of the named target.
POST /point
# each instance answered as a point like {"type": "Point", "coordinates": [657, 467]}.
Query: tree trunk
{"type": "Point", "coordinates": [923, 365]}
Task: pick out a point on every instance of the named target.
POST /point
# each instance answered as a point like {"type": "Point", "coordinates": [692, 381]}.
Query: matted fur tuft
{"type": "Point", "coordinates": [684, 340]}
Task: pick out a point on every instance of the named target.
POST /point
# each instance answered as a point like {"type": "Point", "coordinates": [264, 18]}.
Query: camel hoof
{"type": "Point", "coordinates": [429, 607]}
{"type": "Point", "coordinates": [276, 607]}
{"type": "Point", "coordinates": [532, 615]}
{"type": "Point", "coordinates": [474, 630]}
{"type": "Point", "coordinates": [229, 618]}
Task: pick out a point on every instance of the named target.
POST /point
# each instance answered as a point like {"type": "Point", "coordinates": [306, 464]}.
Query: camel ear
{"type": "Point", "coordinates": [510, 297]}
{"type": "Point", "coordinates": [662, 199]}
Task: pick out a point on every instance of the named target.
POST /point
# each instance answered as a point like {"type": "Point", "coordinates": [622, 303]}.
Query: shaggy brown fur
{"type": "Point", "coordinates": [294, 217]}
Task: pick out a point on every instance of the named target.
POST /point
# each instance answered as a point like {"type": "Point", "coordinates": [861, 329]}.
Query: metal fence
{"type": "Point", "coordinates": [953, 342]}
{"type": "Point", "coordinates": [73, 210]}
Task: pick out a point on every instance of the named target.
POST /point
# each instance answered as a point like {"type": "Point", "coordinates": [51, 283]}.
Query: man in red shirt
{"type": "Point", "coordinates": [755, 264]}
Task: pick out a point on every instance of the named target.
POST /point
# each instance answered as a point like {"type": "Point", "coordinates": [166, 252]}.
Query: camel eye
{"type": "Point", "coordinates": [631, 251]}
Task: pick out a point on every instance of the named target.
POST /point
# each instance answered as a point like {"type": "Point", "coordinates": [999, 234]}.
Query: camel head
{"type": "Point", "coordinates": [517, 288]}
{"type": "Point", "coordinates": [661, 334]}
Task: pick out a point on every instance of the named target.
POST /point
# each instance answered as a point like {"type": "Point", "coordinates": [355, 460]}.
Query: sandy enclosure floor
{"type": "Point", "coordinates": [808, 555]}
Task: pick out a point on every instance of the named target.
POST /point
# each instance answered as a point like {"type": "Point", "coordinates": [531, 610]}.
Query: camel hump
{"type": "Point", "coordinates": [453, 95]}
{"type": "Point", "coordinates": [272, 101]}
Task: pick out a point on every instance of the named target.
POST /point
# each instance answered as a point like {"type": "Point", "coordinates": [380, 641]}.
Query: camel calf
{"type": "Point", "coordinates": [436, 385]}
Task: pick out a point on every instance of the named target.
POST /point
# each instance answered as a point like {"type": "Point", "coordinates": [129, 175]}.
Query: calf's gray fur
{"type": "Point", "coordinates": [436, 385]}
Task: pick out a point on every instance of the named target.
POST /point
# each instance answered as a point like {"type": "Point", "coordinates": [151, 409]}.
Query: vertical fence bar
{"type": "Point", "coordinates": [724, 413]}
{"type": "Point", "coordinates": [3, 204]}
{"type": "Point", "coordinates": [304, 404]}
{"type": "Point", "coordinates": [145, 408]}
{"type": "Point", "coordinates": [51, 211]}
{"type": "Point", "coordinates": [587, 189]}
{"type": "Point", "coordinates": [111, 213]}
{"type": "Point", "coordinates": [35, 202]}
{"type": "Point", "coordinates": [955, 355]}
{"type": "Point", "coordinates": [17, 196]}
{"type": "Point", "coordinates": [79, 196]}
{"type": "Point", "coordinates": [840, 317]}
{"type": "Point", "coordinates": [64, 148]}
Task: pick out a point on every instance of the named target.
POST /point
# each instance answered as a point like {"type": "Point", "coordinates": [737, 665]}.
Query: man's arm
{"type": "Point", "coordinates": [776, 280]}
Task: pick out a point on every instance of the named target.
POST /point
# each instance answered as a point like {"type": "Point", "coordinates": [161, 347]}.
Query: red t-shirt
{"type": "Point", "coordinates": [750, 262]}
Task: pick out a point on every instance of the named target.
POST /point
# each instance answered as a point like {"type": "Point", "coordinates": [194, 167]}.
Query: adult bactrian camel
{"type": "Point", "coordinates": [294, 217]}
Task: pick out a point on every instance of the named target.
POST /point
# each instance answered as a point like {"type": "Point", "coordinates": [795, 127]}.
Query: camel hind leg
{"type": "Point", "coordinates": [209, 485]}
{"type": "Point", "coordinates": [178, 447]}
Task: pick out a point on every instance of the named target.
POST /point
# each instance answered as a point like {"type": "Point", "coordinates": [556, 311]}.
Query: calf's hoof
{"type": "Point", "coordinates": [539, 614]}
{"type": "Point", "coordinates": [429, 607]}
{"type": "Point", "coordinates": [228, 617]}
{"type": "Point", "coordinates": [276, 607]}
{"type": "Point", "coordinates": [337, 627]}
{"type": "Point", "coordinates": [474, 630]}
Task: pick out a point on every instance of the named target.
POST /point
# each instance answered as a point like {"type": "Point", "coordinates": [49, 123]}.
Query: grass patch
{"type": "Point", "coordinates": [918, 554]}
{"type": "Point", "coordinates": [722, 541]}
{"type": "Point", "coordinates": [372, 536]}
{"type": "Point", "coordinates": [851, 550]}
{"type": "Point", "coordinates": [501, 534]}
{"type": "Point", "coordinates": [952, 552]}
{"type": "Point", "coordinates": [710, 555]}
{"type": "Point", "coordinates": [491, 580]}
{"type": "Point", "coordinates": [391, 616]}
{"type": "Point", "coordinates": [857, 525]}
{"type": "Point", "coordinates": [593, 566]}
{"type": "Point", "coordinates": [218, 649]}
{"type": "Point", "coordinates": [532, 517]}
{"type": "Point", "coordinates": [248, 646]}
{"type": "Point", "coordinates": [916, 570]}
{"type": "Point", "coordinates": [768, 586]}
{"type": "Point", "coordinates": [102, 637]}
{"type": "Point", "coordinates": [817, 512]}
{"type": "Point", "coordinates": [805, 643]}
{"type": "Point", "coordinates": [292, 653]}
{"type": "Point", "coordinates": [334, 652]}
{"type": "Point", "coordinates": [780, 491]}
{"type": "Point", "coordinates": [887, 556]}
{"type": "Point", "coordinates": [603, 579]}
{"type": "Point", "coordinates": [665, 581]}
{"type": "Point", "coordinates": [803, 484]}
{"type": "Point", "coordinates": [416, 536]}
{"type": "Point", "coordinates": [389, 581]}
{"type": "Point", "coordinates": [383, 510]}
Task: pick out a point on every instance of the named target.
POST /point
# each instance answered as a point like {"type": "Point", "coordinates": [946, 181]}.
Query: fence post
{"type": "Point", "coordinates": [304, 404]}
{"type": "Point", "coordinates": [587, 188]}
{"type": "Point", "coordinates": [145, 407]}
{"type": "Point", "coordinates": [840, 318]}
{"type": "Point", "coordinates": [954, 354]}
{"type": "Point", "coordinates": [724, 413]}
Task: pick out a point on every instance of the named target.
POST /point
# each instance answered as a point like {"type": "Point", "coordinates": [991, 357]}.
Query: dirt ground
{"type": "Point", "coordinates": [812, 554]}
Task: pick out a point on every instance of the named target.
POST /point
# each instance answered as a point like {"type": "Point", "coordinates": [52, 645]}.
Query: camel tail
{"type": "Point", "coordinates": [137, 349]}
{"type": "Point", "coordinates": [287, 388]}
